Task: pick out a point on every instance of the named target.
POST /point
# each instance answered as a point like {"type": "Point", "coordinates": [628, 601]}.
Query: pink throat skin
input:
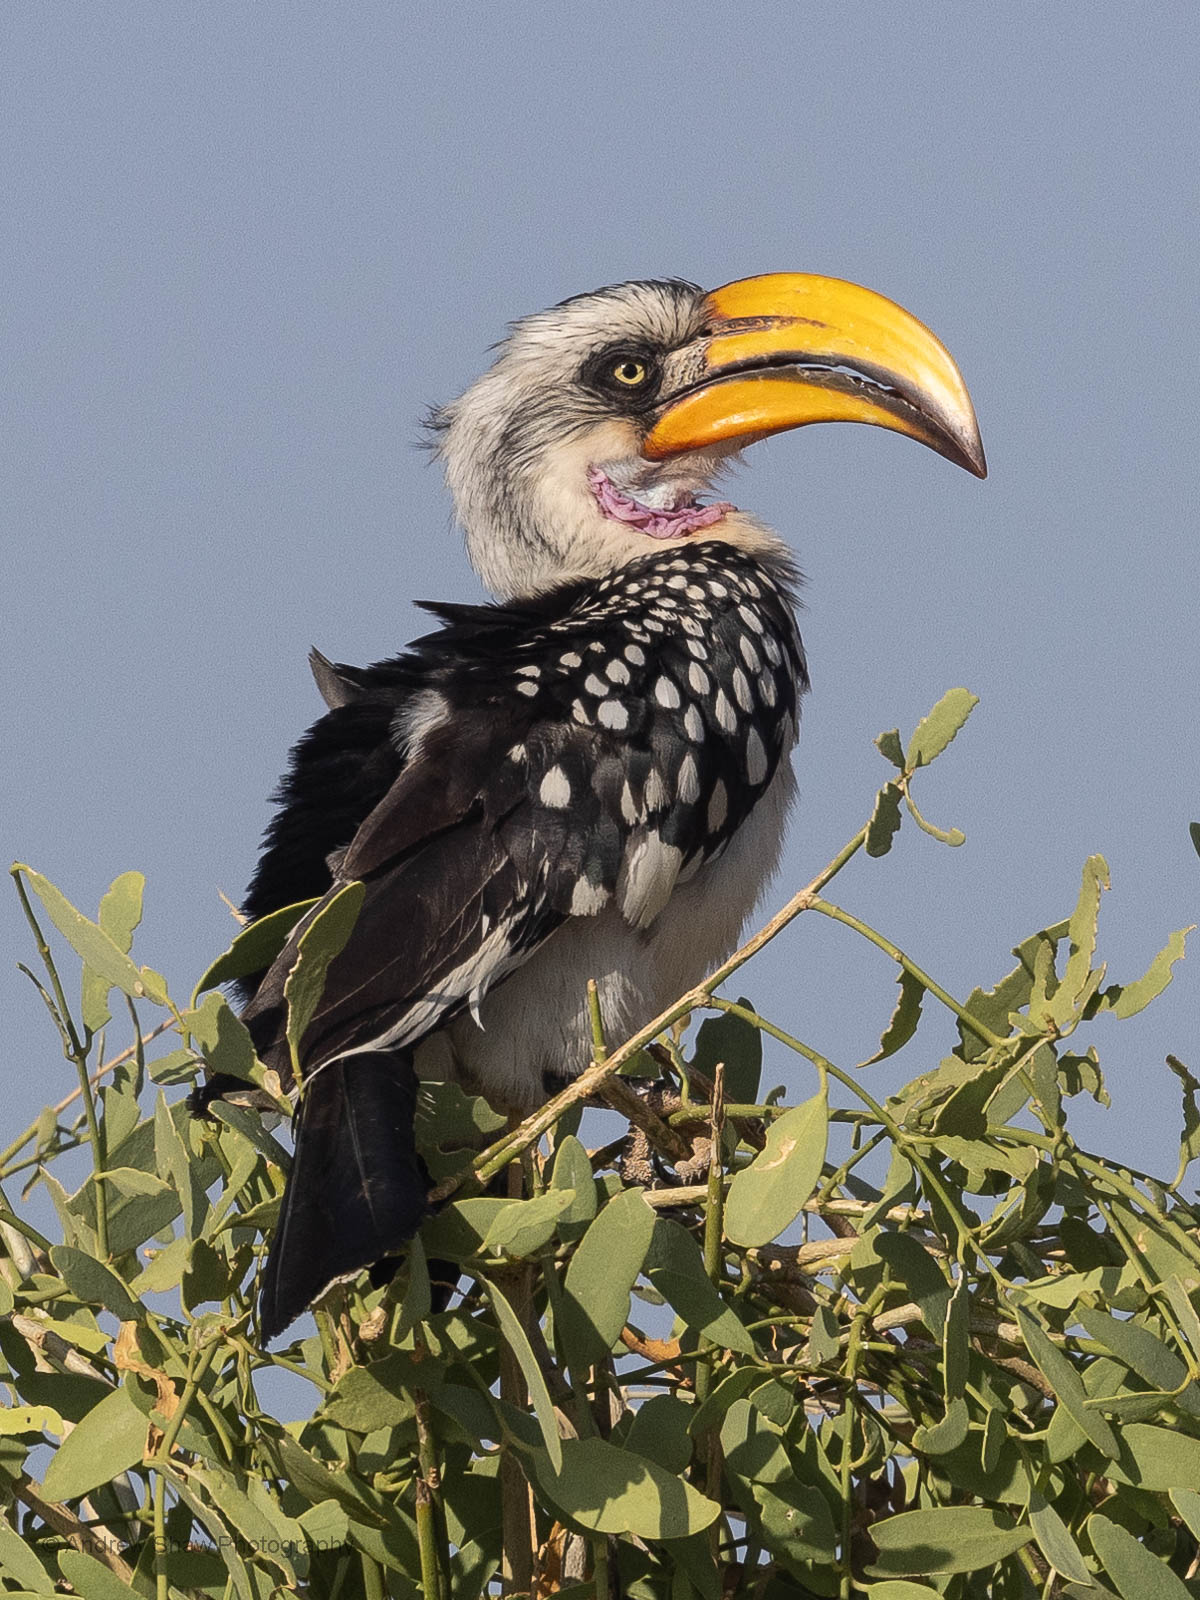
{"type": "Point", "coordinates": [655, 521]}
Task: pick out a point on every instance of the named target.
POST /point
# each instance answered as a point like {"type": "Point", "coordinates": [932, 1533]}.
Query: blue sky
{"type": "Point", "coordinates": [244, 248]}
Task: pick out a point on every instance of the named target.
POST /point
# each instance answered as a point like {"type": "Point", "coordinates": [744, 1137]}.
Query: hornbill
{"type": "Point", "coordinates": [589, 779]}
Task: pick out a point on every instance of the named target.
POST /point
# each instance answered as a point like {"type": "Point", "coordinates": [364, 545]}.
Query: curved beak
{"type": "Point", "coordinates": [790, 348]}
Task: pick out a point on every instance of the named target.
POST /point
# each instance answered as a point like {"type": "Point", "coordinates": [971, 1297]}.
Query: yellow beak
{"type": "Point", "coordinates": [789, 348]}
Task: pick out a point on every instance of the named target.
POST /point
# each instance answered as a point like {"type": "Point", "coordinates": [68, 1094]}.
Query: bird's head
{"type": "Point", "coordinates": [603, 421]}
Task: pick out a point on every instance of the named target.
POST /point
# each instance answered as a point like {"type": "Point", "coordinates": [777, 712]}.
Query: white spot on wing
{"type": "Point", "coordinates": [647, 877]}
{"type": "Point", "coordinates": [657, 796]}
{"type": "Point", "coordinates": [666, 692]}
{"type": "Point", "coordinates": [689, 780]}
{"type": "Point", "coordinates": [756, 757]}
{"type": "Point", "coordinates": [617, 672]}
{"type": "Point", "coordinates": [555, 789]}
{"type": "Point", "coordinates": [612, 714]}
{"type": "Point", "coordinates": [693, 724]}
{"type": "Point", "coordinates": [635, 655]}
{"type": "Point", "coordinates": [741, 690]}
{"type": "Point", "coordinates": [525, 687]}
{"type": "Point", "coordinates": [588, 898]}
{"type": "Point", "coordinates": [725, 714]}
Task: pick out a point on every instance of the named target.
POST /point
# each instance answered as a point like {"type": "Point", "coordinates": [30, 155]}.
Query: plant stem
{"type": "Point", "coordinates": [429, 1484]}
{"type": "Point", "coordinates": [75, 1051]}
{"type": "Point", "coordinates": [158, 1495]}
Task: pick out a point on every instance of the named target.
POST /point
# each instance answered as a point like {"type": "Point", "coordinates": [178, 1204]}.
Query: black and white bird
{"type": "Point", "coordinates": [591, 778]}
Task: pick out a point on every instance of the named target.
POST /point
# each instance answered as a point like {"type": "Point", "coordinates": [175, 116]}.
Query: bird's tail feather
{"type": "Point", "coordinates": [356, 1191]}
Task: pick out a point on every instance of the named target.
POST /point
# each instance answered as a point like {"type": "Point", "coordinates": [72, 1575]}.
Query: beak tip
{"type": "Point", "coordinates": [975, 460]}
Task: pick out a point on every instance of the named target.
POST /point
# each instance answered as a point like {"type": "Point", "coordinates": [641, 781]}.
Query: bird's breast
{"type": "Point", "coordinates": [536, 1029]}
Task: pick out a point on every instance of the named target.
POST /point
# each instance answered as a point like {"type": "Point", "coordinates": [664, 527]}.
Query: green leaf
{"type": "Point", "coordinates": [176, 1167]}
{"type": "Point", "coordinates": [768, 1195]}
{"type": "Point", "coordinates": [1136, 1571]}
{"type": "Point", "coordinates": [223, 1039]}
{"type": "Point", "coordinates": [94, 1283]}
{"type": "Point", "coordinates": [1156, 1459]}
{"type": "Point", "coordinates": [18, 1561]}
{"type": "Point", "coordinates": [458, 1232]}
{"type": "Point", "coordinates": [324, 938]}
{"type": "Point", "coordinates": [824, 1340]}
{"type": "Point", "coordinates": [1189, 1142]}
{"type": "Point", "coordinates": [131, 1181]}
{"type": "Point", "coordinates": [1127, 999]}
{"type": "Point", "coordinates": [91, 1578]}
{"type": "Point", "coordinates": [539, 1394]}
{"type": "Point", "coordinates": [418, 1296]}
{"type": "Point", "coordinates": [222, 1537]}
{"type": "Point", "coordinates": [885, 820]}
{"type": "Point", "coordinates": [1066, 1383]}
{"type": "Point", "coordinates": [120, 913]}
{"type": "Point", "coordinates": [1144, 1354]}
{"type": "Point", "coordinates": [524, 1226]}
{"type": "Point", "coordinates": [710, 1413]}
{"type": "Point", "coordinates": [899, 1589]}
{"type": "Point", "coordinates": [934, 732]}
{"type": "Point", "coordinates": [945, 1539]}
{"type": "Point", "coordinates": [659, 1431]}
{"type": "Point", "coordinates": [325, 1525]}
{"type": "Point", "coordinates": [796, 1520]}
{"type": "Point", "coordinates": [29, 1419]}
{"type": "Point", "coordinates": [1055, 1540]}
{"type": "Point", "coordinates": [1081, 928]}
{"type": "Point", "coordinates": [89, 941]}
{"type": "Point", "coordinates": [317, 1481]}
{"type": "Point", "coordinates": [904, 1020]}
{"type": "Point", "coordinates": [1181, 1300]}
{"type": "Point", "coordinates": [572, 1174]}
{"type": "Point", "coordinates": [956, 1342]}
{"type": "Point", "coordinates": [273, 1537]}
{"type": "Point", "coordinates": [609, 1490]}
{"type": "Point", "coordinates": [601, 1275]}
{"type": "Point", "coordinates": [254, 948]}
{"type": "Point", "coordinates": [1187, 1503]}
{"type": "Point", "coordinates": [946, 1435]}
{"type": "Point", "coordinates": [891, 748]}
{"type": "Point", "coordinates": [164, 1270]}
{"type": "Point", "coordinates": [110, 1439]}
{"type": "Point", "coordinates": [731, 1039]}
{"type": "Point", "coordinates": [676, 1269]}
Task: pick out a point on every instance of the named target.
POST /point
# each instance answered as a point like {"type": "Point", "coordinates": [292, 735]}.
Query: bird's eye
{"type": "Point", "coordinates": [630, 373]}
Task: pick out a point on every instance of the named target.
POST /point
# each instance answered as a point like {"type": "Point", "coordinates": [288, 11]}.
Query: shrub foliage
{"type": "Point", "coordinates": [905, 1346]}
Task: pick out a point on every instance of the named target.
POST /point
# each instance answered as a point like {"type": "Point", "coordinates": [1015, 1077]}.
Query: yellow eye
{"type": "Point", "coordinates": [630, 372]}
